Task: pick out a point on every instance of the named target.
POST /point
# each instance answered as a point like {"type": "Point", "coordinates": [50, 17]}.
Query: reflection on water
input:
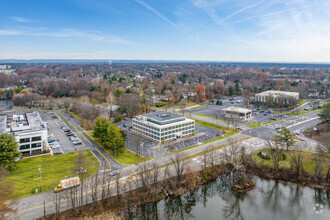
{"type": "Point", "coordinates": [270, 200]}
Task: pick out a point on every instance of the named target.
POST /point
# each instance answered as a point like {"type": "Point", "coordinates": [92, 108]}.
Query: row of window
{"type": "Point", "coordinates": [28, 146]}
{"type": "Point", "coordinates": [25, 140]}
{"type": "Point", "coordinates": [163, 129]}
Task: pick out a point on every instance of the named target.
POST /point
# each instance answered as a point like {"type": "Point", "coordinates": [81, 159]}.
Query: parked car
{"type": "Point", "coordinates": [73, 138]}
{"type": "Point", "coordinates": [124, 125]}
{"type": "Point", "coordinates": [113, 173]}
{"type": "Point", "coordinates": [67, 130]}
{"type": "Point", "coordinates": [297, 132]}
{"type": "Point", "coordinates": [70, 134]}
{"type": "Point", "coordinates": [55, 145]}
{"type": "Point", "coordinates": [76, 142]}
{"type": "Point", "coordinates": [54, 116]}
{"type": "Point", "coordinates": [64, 127]}
{"type": "Point", "coordinates": [239, 128]}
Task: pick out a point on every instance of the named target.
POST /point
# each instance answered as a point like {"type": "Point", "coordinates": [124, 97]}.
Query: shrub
{"type": "Point", "coordinates": [118, 119]}
{"type": "Point", "coordinates": [283, 156]}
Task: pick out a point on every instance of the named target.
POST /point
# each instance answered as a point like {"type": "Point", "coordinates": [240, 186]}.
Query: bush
{"type": "Point", "coordinates": [118, 119]}
{"type": "Point", "coordinates": [263, 157]}
{"type": "Point", "coordinates": [283, 156]}
{"type": "Point", "coordinates": [160, 104]}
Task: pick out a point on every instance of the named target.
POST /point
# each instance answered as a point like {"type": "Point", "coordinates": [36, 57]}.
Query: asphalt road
{"type": "Point", "coordinates": [298, 123]}
{"type": "Point", "coordinates": [107, 163]}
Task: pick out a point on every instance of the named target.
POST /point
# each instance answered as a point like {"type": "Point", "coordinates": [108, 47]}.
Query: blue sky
{"type": "Point", "coordinates": [217, 30]}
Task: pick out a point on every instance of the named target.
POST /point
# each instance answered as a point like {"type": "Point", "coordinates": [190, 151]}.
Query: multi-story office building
{"type": "Point", "coordinates": [162, 126]}
{"type": "Point", "coordinates": [276, 95]}
{"type": "Point", "coordinates": [29, 129]}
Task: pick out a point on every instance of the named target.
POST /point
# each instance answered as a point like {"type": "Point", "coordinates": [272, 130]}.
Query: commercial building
{"type": "Point", "coordinates": [162, 126]}
{"type": "Point", "coordinates": [276, 95]}
{"type": "Point", "coordinates": [237, 113]}
{"type": "Point", "coordinates": [29, 129]}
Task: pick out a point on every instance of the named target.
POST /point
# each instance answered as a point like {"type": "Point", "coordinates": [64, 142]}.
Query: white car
{"type": "Point", "coordinates": [297, 132]}
{"type": "Point", "coordinates": [54, 145]}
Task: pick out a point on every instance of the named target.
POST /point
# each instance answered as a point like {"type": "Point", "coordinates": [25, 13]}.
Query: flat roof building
{"type": "Point", "coordinates": [237, 113]}
{"type": "Point", "coordinates": [262, 97]}
{"type": "Point", "coordinates": [29, 129]}
{"type": "Point", "coordinates": [162, 126]}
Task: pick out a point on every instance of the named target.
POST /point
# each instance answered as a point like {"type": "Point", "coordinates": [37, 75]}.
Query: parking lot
{"type": "Point", "coordinates": [54, 125]}
{"type": "Point", "coordinates": [5, 105]}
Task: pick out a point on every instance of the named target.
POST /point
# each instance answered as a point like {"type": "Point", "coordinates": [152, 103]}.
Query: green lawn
{"type": "Point", "coordinates": [197, 107]}
{"type": "Point", "coordinates": [207, 116]}
{"type": "Point", "coordinates": [54, 168]}
{"type": "Point", "coordinates": [309, 164]}
{"type": "Point", "coordinates": [127, 157]}
{"type": "Point", "coordinates": [254, 125]}
{"type": "Point", "coordinates": [301, 102]}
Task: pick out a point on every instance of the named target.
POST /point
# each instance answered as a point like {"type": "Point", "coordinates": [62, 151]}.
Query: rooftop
{"type": "Point", "coordinates": [21, 122]}
{"type": "Point", "coordinates": [273, 92]}
{"type": "Point", "coordinates": [162, 115]}
{"type": "Point", "coordinates": [237, 109]}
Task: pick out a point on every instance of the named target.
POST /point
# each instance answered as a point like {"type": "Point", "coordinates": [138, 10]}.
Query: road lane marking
{"type": "Point", "coordinates": [104, 157]}
{"type": "Point", "coordinates": [302, 122]}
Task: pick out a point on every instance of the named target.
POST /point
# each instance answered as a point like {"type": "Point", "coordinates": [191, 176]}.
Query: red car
{"type": "Point", "coordinates": [241, 129]}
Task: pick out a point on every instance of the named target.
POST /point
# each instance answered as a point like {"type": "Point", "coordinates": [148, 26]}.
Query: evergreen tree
{"type": "Point", "coordinates": [8, 151]}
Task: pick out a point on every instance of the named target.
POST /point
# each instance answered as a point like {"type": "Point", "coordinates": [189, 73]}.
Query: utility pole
{"type": "Point", "coordinates": [40, 176]}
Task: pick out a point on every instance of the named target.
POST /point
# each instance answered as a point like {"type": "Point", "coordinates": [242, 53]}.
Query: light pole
{"type": "Point", "coordinates": [40, 176]}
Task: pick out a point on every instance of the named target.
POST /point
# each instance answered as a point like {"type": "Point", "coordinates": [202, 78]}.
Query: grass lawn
{"type": "Point", "coordinates": [197, 107]}
{"type": "Point", "coordinates": [301, 102]}
{"type": "Point", "coordinates": [254, 125]}
{"type": "Point", "coordinates": [54, 168]}
{"type": "Point", "coordinates": [207, 116]}
{"type": "Point", "coordinates": [309, 164]}
{"type": "Point", "coordinates": [127, 157]}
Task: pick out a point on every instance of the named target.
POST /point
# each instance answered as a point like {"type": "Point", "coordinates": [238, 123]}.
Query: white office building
{"type": "Point", "coordinates": [237, 113]}
{"type": "Point", "coordinates": [162, 126]}
{"type": "Point", "coordinates": [276, 95]}
{"type": "Point", "coordinates": [29, 129]}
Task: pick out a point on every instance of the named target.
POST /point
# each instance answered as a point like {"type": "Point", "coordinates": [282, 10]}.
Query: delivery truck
{"type": "Point", "coordinates": [67, 183]}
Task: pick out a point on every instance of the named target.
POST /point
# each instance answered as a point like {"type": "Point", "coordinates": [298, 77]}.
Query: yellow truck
{"type": "Point", "coordinates": [67, 183]}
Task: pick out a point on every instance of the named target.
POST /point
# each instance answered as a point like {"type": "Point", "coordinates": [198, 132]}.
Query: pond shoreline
{"type": "Point", "coordinates": [191, 181]}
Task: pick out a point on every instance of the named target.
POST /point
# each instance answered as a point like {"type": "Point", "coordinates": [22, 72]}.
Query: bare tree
{"type": "Point", "coordinates": [179, 165]}
{"type": "Point", "coordinates": [155, 174]}
{"type": "Point", "coordinates": [275, 151]}
{"type": "Point", "coordinates": [57, 199]}
{"type": "Point", "coordinates": [94, 186]}
{"type": "Point", "coordinates": [297, 161]}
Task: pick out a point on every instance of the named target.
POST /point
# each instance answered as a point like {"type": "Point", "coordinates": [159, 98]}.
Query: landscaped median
{"type": "Point", "coordinates": [127, 157]}
{"type": "Point", "coordinates": [207, 116]}
{"type": "Point", "coordinates": [54, 168]}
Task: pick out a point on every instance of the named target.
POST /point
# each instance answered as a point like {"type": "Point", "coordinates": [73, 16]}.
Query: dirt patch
{"type": "Point", "coordinates": [322, 130]}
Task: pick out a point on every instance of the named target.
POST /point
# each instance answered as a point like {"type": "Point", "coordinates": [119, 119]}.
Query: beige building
{"type": "Point", "coordinates": [262, 97]}
{"type": "Point", "coordinates": [237, 113]}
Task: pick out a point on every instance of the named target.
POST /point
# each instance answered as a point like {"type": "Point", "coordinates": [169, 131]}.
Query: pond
{"type": "Point", "coordinates": [269, 200]}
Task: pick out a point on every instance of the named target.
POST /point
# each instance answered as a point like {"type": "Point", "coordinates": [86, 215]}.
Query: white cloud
{"type": "Point", "coordinates": [64, 33]}
{"type": "Point", "coordinates": [20, 19]}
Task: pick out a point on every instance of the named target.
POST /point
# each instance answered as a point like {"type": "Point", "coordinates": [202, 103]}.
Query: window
{"type": "Point", "coordinates": [35, 145]}
{"type": "Point", "coordinates": [24, 147]}
{"type": "Point", "coordinates": [37, 150]}
{"type": "Point", "coordinates": [24, 140]}
{"type": "Point", "coordinates": [36, 138]}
